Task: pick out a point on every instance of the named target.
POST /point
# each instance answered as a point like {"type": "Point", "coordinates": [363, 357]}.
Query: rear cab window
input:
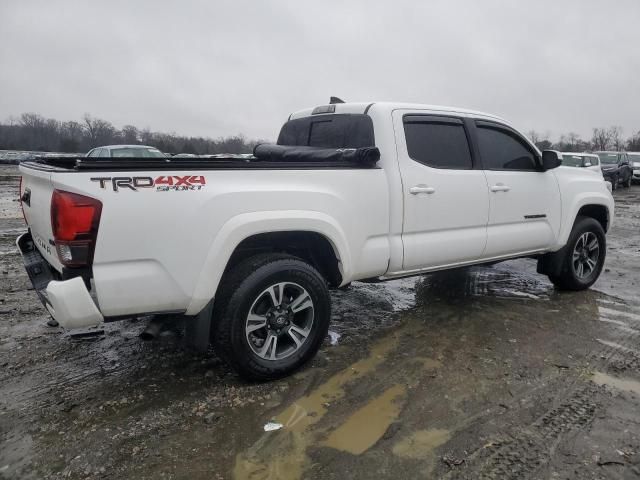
{"type": "Point", "coordinates": [329, 131]}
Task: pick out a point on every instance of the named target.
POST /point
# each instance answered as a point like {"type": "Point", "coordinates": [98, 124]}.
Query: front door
{"type": "Point", "coordinates": [524, 202]}
{"type": "Point", "coordinates": [446, 201]}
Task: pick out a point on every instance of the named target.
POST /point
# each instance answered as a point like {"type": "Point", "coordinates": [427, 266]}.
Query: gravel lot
{"type": "Point", "coordinates": [480, 373]}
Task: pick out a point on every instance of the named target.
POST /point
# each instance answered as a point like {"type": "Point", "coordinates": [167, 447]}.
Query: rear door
{"type": "Point", "coordinates": [446, 201]}
{"type": "Point", "coordinates": [524, 201]}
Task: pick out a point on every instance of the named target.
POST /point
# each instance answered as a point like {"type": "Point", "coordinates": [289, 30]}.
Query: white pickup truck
{"type": "Point", "coordinates": [246, 247]}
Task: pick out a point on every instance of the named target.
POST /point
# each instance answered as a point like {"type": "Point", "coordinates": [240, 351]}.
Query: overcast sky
{"type": "Point", "coordinates": [218, 68]}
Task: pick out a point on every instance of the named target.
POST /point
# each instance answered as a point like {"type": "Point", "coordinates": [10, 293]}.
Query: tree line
{"type": "Point", "coordinates": [33, 132]}
{"type": "Point", "coordinates": [602, 139]}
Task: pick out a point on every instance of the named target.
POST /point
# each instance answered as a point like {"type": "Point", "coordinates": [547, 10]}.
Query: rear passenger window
{"type": "Point", "coordinates": [503, 150]}
{"type": "Point", "coordinates": [438, 144]}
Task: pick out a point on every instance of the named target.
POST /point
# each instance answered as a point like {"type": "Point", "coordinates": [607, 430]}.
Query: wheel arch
{"type": "Point", "coordinates": [313, 236]}
{"type": "Point", "coordinates": [596, 211]}
{"type": "Point", "coordinates": [598, 207]}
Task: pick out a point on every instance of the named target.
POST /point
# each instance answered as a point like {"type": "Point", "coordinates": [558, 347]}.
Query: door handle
{"type": "Point", "coordinates": [421, 189]}
{"type": "Point", "coordinates": [500, 187]}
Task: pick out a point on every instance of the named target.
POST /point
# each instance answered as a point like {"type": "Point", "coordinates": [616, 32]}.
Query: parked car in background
{"type": "Point", "coordinates": [590, 161]}
{"type": "Point", "coordinates": [615, 168]}
{"type": "Point", "coordinates": [119, 151]}
{"type": "Point", "coordinates": [634, 161]}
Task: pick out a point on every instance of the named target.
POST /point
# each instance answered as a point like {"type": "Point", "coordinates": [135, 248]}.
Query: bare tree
{"type": "Point", "coordinates": [100, 131]}
{"type": "Point", "coordinates": [534, 136]}
{"type": "Point", "coordinates": [615, 133]}
{"type": "Point", "coordinates": [633, 144]}
{"type": "Point", "coordinates": [601, 139]}
{"type": "Point", "coordinates": [129, 134]}
{"type": "Point", "coordinates": [573, 139]}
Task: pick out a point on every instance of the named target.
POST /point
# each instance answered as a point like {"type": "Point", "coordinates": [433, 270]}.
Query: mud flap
{"type": "Point", "coordinates": [551, 263]}
{"type": "Point", "coordinates": [198, 329]}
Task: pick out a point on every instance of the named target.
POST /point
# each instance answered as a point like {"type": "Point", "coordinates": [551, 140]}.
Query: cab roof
{"type": "Point", "coordinates": [365, 107]}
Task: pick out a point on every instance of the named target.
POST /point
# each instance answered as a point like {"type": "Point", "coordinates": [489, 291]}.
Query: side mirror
{"type": "Point", "coordinates": [550, 160]}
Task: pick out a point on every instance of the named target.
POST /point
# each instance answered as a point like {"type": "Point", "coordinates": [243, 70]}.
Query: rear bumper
{"type": "Point", "coordinates": [68, 301]}
{"type": "Point", "coordinates": [636, 174]}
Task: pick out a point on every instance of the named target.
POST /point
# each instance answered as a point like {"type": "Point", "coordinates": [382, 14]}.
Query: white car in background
{"type": "Point", "coordinates": [634, 161]}
{"type": "Point", "coordinates": [590, 161]}
{"type": "Point", "coordinates": [122, 151]}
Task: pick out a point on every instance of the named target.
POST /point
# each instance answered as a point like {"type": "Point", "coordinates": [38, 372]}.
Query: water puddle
{"type": "Point", "coordinates": [367, 425]}
{"type": "Point", "coordinates": [282, 454]}
{"type": "Point", "coordinates": [624, 384]}
{"type": "Point", "coordinates": [501, 281]}
{"type": "Point", "coordinates": [420, 444]}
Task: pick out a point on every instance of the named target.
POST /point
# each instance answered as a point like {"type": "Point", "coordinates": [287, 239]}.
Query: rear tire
{"type": "Point", "coordinates": [584, 256]}
{"type": "Point", "coordinates": [270, 316]}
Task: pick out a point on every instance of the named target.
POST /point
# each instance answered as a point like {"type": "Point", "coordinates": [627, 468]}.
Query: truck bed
{"type": "Point", "coordinates": [268, 157]}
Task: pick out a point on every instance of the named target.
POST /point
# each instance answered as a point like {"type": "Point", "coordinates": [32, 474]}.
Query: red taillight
{"type": "Point", "coordinates": [74, 221]}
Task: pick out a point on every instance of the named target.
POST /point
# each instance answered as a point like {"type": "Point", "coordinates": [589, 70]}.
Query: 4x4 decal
{"type": "Point", "coordinates": [161, 184]}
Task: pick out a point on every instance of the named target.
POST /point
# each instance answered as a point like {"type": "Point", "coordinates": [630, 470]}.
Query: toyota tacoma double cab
{"type": "Point", "coordinates": [246, 248]}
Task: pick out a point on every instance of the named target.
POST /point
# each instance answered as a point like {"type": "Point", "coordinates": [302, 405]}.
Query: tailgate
{"type": "Point", "coordinates": [36, 190]}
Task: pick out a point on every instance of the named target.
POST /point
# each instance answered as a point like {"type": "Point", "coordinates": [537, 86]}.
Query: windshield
{"type": "Point", "coordinates": [573, 160]}
{"type": "Point", "coordinates": [137, 152]}
{"type": "Point", "coordinates": [608, 158]}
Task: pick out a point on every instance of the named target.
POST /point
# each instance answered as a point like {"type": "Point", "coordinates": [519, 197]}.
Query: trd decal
{"type": "Point", "coordinates": [161, 184]}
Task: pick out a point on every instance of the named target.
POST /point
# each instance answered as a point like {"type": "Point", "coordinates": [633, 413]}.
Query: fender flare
{"type": "Point", "coordinates": [245, 225]}
{"type": "Point", "coordinates": [582, 200]}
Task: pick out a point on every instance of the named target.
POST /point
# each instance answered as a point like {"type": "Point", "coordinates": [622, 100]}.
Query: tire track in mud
{"type": "Point", "coordinates": [524, 451]}
{"type": "Point", "coordinates": [528, 450]}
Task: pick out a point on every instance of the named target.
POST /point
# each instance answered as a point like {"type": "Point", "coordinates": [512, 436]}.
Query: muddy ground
{"type": "Point", "coordinates": [482, 373]}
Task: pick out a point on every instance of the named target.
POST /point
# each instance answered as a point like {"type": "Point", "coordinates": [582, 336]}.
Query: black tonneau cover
{"type": "Point", "coordinates": [266, 156]}
{"type": "Point", "coordinates": [365, 156]}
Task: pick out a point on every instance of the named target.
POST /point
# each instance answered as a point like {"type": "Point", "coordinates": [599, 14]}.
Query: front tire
{"type": "Point", "coordinates": [584, 256]}
{"type": "Point", "coordinates": [627, 184]}
{"type": "Point", "coordinates": [270, 316]}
